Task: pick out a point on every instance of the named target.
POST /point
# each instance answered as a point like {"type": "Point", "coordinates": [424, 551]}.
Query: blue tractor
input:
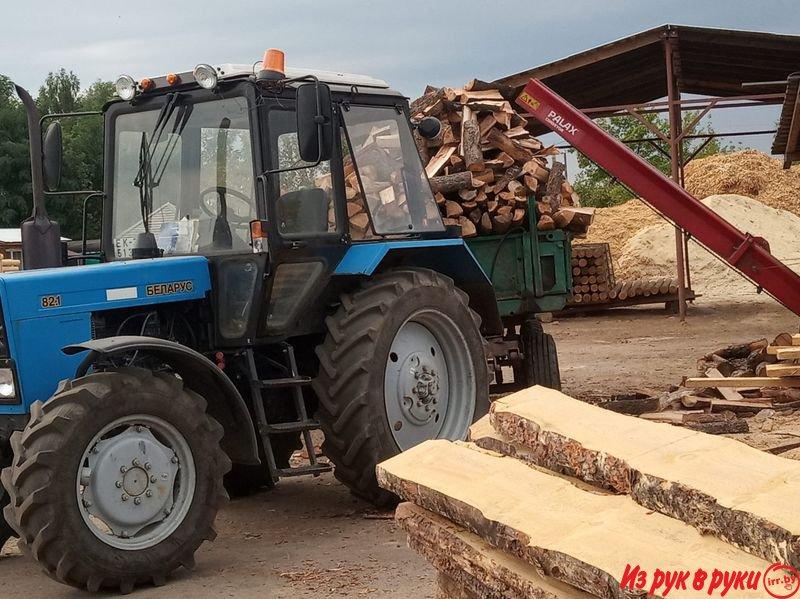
{"type": "Point", "coordinates": [232, 305]}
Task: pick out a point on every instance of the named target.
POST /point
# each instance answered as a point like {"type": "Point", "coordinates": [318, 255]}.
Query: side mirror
{"type": "Point", "coordinates": [429, 127]}
{"type": "Point", "coordinates": [52, 156]}
{"type": "Point", "coordinates": [314, 122]}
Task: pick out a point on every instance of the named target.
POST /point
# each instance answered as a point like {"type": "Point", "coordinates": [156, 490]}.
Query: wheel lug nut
{"type": "Point", "coordinates": [118, 484]}
{"type": "Point", "coordinates": [174, 459]}
{"type": "Point", "coordinates": [123, 469]}
{"type": "Point", "coordinates": [149, 493]}
{"type": "Point", "coordinates": [86, 503]}
{"type": "Point", "coordinates": [137, 500]}
{"type": "Point", "coordinates": [153, 478]}
{"type": "Point", "coordinates": [125, 497]}
{"type": "Point", "coordinates": [135, 462]}
{"type": "Point", "coordinates": [147, 466]}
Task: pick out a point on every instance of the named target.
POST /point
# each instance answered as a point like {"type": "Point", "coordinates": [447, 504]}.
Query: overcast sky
{"type": "Point", "coordinates": [407, 42]}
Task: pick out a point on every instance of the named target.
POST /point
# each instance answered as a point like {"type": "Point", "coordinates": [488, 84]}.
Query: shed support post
{"type": "Point", "coordinates": [673, 97]}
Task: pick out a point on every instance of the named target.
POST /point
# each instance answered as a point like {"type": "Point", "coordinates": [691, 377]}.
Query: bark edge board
{"type": "Point", "coordinates": [718, 485]}
{"type": "Point", "coordinates": [472, 563]}
{"type": "Point", "coordinates": [501, 500]}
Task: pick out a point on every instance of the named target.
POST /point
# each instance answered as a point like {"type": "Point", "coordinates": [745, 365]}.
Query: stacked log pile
{"type": "Point", "coordinates": [485, 164]}
{"type": "Point", "coordinates": [9, 264]}
{"type": "Point", "coordinates": [592, 273]}
{"type": "Point", "coordinates": [643, 287]}
{"type": "Point", "coordinates": [593, 279]}
{"type": "Point", "coordinates": [662, 497]}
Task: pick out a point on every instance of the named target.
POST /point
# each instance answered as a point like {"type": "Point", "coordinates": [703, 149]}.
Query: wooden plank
{"type": "Point", "coordinates": [474, 564]}
{"type": "Point", "coordinates": [743, 405]}
{"type": "Point", "coordinates": [784, 353]}
{"type": "Point", "coordinates": [740, 382]}
{"type": "Point", "coordinates": [685, 474]}
{"type": "Point", "coordinates": [722, 427]}
{"type": "Point", "coordinates": [439, 160]}
{"type": "Point", "coordinates": [781, 370]}
{"type": "Point", "coordinates": [726, 392]}
{"type": "Point", "coordinates": [795, 339]}
{"type": "Point", "coordinates": [548, 522]}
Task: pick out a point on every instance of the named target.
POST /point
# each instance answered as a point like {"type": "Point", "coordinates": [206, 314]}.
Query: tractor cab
{"type": "Point", "coordinates": [264, 173]}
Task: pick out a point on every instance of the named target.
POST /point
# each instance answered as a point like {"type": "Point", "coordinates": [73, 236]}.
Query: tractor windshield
{"type": "Point", "coordinates": [184, 172]}
{"type": "Point", "coordinates": [392, 179]}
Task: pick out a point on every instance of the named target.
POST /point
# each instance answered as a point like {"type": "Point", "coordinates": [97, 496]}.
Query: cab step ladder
{"type": "Point", "coordinates": [260, 391]}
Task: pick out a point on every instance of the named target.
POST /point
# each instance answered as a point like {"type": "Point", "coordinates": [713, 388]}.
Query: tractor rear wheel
{"type": "Point", "coordinates": [403, 362]}
{"type": "Point", "coordinates": [116, 480]}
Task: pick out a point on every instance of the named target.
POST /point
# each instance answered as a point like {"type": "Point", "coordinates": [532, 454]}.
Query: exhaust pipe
{"type": "Point", "coordinates": [41, 237]}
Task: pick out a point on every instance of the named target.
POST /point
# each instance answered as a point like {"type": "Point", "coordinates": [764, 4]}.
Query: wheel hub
{"type": "Point", "coordinates": [129, 481]}
{"type": "Point", "coordinates": [135, 481]}
{"type": "Point", "coordinates": [420, 388]}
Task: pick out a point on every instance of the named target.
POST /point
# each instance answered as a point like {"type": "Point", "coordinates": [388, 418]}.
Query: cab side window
{"type": "Point", "coordinates": [305, 197]}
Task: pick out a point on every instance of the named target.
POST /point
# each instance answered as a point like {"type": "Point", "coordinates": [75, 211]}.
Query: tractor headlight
{"type": "Point", "coordinates": [126, 87]}
{"type": "Point", "coordinates": [7, 390]}
{"type": "Point", "coordinates": [206, 76]}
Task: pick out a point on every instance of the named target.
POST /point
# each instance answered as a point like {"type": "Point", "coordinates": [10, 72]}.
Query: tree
{"type": "Point", "coordinates": [82, 145]}
{"type": "Point", "coordinates": [60, 93]}
{"type": "Point", "coordinates": [597, 188]}
{"type": "Point", "coordinates": [15, 169]}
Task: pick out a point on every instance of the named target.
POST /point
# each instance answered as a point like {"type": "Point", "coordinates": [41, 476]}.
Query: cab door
{"type": "Point", "coordinates": [307, 225]}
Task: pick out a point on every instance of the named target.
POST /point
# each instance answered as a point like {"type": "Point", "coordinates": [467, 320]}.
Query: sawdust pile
{"type": "Point", "coordinates": [651, 251]}
{"type": "Point", "coordinates": [749, 173]}
{"type": "Point", "coordinates": [617, 224]}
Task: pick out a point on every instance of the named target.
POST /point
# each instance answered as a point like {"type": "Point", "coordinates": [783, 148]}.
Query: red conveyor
{"type": "Point", "coordinates": [746, 253]}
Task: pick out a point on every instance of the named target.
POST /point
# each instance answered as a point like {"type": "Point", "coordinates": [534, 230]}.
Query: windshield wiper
{"type": "Point", "coordinates": [144, 176]}
{"type": "Point", "coordinates": [147, 179]}
{"type": "Point", "coordinates": [145, 245]}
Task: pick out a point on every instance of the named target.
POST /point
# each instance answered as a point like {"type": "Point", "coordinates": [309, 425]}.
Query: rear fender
{"type": "Point", "coordinates": [451, 257]}
{"type": "Point", "coordinates": [199, 374]}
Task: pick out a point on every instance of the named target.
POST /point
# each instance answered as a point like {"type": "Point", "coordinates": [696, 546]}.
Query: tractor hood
{"type": "Point", "coordinates": [47, 309]}
{"type": "Point", "coordinates": [51, 291]}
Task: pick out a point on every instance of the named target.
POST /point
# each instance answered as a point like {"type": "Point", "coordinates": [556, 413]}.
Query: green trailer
{"type": "Point", "coordinates": [530, 270]}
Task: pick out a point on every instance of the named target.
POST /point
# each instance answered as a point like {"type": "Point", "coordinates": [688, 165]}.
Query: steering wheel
{"type": "Point", "coordinates": [239, 212]}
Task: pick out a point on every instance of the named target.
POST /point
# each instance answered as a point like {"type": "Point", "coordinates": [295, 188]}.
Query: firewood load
{"type": "Point", "coordinates": [485, 164]}
{"type": "Point", "coordinates": [530, 506]}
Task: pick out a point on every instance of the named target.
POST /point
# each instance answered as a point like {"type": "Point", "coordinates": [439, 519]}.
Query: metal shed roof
{"type": "Point", "coordinates": [632, 70]}
{"type": "Point", "coordinates": [787, 139]}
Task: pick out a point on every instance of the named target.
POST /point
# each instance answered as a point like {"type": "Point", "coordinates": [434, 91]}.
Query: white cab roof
{"type": "Point", "coordinates": [334, 77]}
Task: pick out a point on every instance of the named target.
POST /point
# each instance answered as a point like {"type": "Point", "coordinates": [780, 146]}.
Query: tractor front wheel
{"type": "Point", "coordinates": [403, 362]}
{"type": "Point", "coordinates": [116, 480]}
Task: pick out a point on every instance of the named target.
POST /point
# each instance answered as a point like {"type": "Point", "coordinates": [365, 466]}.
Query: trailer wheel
{"type": "Point", "coordinates": [403, 362]}
{"type": "Point", "coordinates": [540, 365]}
{"type": "Point", "coordinates": [116, 480]}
